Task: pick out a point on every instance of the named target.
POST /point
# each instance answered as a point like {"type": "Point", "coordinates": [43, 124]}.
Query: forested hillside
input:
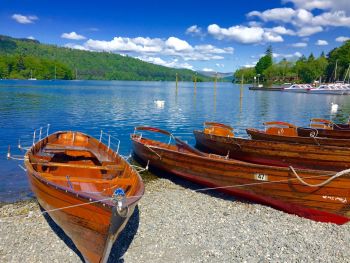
{"type": "Point", "coordinates": [20, 57]}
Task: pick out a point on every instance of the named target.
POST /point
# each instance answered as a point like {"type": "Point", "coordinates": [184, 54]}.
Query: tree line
{"type": "Point", "coordinates": [304, 70]}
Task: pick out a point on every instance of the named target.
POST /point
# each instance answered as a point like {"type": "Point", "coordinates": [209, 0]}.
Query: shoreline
{"type": "Point", "coordinates": [173, 223]}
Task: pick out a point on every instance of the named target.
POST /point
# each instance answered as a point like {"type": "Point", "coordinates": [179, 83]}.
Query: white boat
{"type": "Point", "coordinates": [335, 89]}
{"type": "Point", "coordinates": [298, 88]}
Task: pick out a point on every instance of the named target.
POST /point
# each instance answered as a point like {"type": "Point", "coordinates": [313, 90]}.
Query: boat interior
{"type": "Point", "coordinates": [321, 124]}
{"type": "Point", "coordinates": [218, 129]}
{"type": "Point", "coordinates": [82, 163]}
{"type": "Point", "coordinates": [280, 128]}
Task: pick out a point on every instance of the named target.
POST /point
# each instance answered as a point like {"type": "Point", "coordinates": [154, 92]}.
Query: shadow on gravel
{"type": "Point", "coordinates": [60, 233]}
{"type": "Point", "coordinates": [190, 185]}
{"type": "Point", "coordinates": [125, 238]}
{"type": "Point", "coordinates": [120, 246]}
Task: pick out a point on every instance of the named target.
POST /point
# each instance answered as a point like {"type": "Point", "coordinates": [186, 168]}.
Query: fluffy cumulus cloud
{"type": "Point", "coordinates": [72, 36]}
{"type": "Point", "coordinates": [172, 63]}
{"type": "Point", "coordinates": [305, 22]}
{"type": "Point", "coordinates": [22, 19]}
{"type": "Point", "coordinates": [334, 5]}
{"type": "Point", "coordinates": [207, 70]}
{"type": "Point", "coordinates": [321, 42]}
{"type": "Point", "coordinates": [150, 49]}
{"type": "Point", "coordinates": [243, 34]}
{"type": "Point", "coordinates": [299, 44]}
{"type": "Point", "coordinates": [195, 31]}
{"type": "Point", "coordinates": [294, 55]}
{"type": "Point", "coordinates": [342, 39]}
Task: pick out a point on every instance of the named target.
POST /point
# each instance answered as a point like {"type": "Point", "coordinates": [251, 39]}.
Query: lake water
{"type": "Point", "coordinates": [117, 107]}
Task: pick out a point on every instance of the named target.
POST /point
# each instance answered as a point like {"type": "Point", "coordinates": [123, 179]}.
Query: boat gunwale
{"type": "Point", "coordinates": [82, 196]}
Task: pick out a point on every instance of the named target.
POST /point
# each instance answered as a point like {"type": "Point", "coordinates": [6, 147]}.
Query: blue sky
{"type": "Point", "coordinates": [201, 35]}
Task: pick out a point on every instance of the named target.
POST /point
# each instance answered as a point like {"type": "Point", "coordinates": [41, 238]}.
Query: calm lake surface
{"type": "Point", "coordinates": [117, 107]}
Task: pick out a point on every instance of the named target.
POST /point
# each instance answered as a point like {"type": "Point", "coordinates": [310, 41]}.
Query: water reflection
{"type": "Point", "coordinates": [117, 107]}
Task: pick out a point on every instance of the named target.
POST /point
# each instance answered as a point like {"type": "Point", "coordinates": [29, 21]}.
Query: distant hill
{"type": "Point", "coordinates": [21, 57]}
{"type": "Point", "coordinates": [222, 76]}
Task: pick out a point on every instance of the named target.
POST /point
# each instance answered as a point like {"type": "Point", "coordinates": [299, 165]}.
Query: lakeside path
{"type": "Point", "coordinates": [175, 224]}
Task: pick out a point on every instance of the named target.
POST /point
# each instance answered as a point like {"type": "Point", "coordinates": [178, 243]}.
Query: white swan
{"type": "Point", "coordinates": [334, 107]}
{"type": "Point", "coordinates": [159, 103]}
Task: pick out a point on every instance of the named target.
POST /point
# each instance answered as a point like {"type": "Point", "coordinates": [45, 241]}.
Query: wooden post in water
{"type": "Point", "coordinates": [215, 79]}
{"type": "Point", "coordinates": [195, 83]}
{"type": "Point", "coordinates": [176, 81]}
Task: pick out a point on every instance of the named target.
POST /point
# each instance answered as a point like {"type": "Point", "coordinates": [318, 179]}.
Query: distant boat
{"type": "Point", "coordinates": [31, 76]}
{"type": "Point", "coordinates": [335, 89]}
{"type": "Point", "coordinates": [300, 88]}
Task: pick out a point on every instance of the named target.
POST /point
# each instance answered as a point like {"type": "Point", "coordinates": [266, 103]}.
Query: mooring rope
{"type": "Point", "coordinates": [341, 173]}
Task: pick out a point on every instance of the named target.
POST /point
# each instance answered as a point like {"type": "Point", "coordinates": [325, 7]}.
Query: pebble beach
{"type": "Point", "coordinates": [174, 223]}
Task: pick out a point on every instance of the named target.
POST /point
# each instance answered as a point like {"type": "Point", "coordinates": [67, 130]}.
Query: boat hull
{"type": "Point", "coordinates": [276, 187]}
{"type": "Point", "coordinates": [87, 225]}
{"type": "Point", "coordinates": [260, 135]}
{"type": "Point", "coordinates": [308, 132]}
{"type": "Point", "coordinates": [275, 153]}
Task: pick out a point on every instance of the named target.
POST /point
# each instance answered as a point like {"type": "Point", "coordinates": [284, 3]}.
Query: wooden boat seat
{"type": "Point", "coordinates": [110, 167]}
{"type": "Point", "coordinates": [282, 131]}
{"type": "Point", "coordinates": [219, 131]}
{"type": "Point", "coordinates": [59, 148]}
{"type": "Point", "coordinates": [117, 180]}
{"type": "Point", "coordinates": [280, 128]}
{"type": "Point", "coordinates": [321, 124]}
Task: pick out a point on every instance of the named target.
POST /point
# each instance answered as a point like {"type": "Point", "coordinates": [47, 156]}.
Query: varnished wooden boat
{"type": "Point", "coordinates": [219, 139]}
{"type": "Point", "coordinates": [324, 128]}
{"type": "Point", "coordinates": [278, 187]}
{"type": "Point", "coordinates": [286, 132]}
{"type": "Point", "coordinates": [85, 187]}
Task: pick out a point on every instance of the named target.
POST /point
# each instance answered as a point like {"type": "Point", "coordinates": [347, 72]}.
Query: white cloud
{"type": "Point", "coordinates": [195, 31]}
{"type": "Point", "coordinates": [24, 19]}
{"type": "Point", "coordinates": [275, 14]}
{"type": "Point", "coordinates": [281, 30]}
{"type": "Point", "coordinates": [178, 44]}
{"type": "Point", "coordinates": [174, 63]}
{"type": "Point", "coordinates": [243, 34]}
{"type": "Point", "coordinates": [252, 65]}
{"type": "Point", "coordinates": [336, 19]}
{"type": "Point", "coordinates": [172, 46]}
{"type": "Point", "coordinates": [321, 42]}
{"type": "Point", "coordinates": [220, 65]}
{"type": "Point", "coordinates": [308, 31]}
{"type": "Point", "coordinates": [300, 44]}
{"type": "Point", "coordinates": [334, 5]}
{"type": "Point", "coordinates": [294, 55]}
{"type": "Point", "coordinates": [73, 36]}
{"type": "Point", "coordinates": [305, 21]}
{"type": "Point", "coordinates": [75, 46]}
{"type": "Point", "coordinates": [342, 39]}
{"type": "Point", "coordinates": [31, 37]}
{"type": "Point", "coordinates": [208, 70]}
{"type": "Point", "coordinates": [271, 37]}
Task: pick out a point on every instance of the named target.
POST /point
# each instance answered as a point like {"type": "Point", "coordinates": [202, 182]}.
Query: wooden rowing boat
{"type": "Point", "coordinates": [324, 128]}
{"type": "Point", "coordinates": [286, 132]}
{"type": "Point", "coordinates": [291, 190]}
{"type": "Point", "coordinates": [85, 187]}
{"type": "Point", "coordinates": [219, 139]}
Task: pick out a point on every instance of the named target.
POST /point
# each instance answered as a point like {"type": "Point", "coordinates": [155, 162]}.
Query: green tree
{"type": "Point", "coordinates": [264, 62]}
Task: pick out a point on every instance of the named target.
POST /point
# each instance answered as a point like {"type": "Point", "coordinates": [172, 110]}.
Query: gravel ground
{"type": "Point", "coordinates": [175, 224]}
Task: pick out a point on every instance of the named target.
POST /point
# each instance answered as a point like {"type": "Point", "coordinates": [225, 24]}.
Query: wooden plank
{"type": "Point", "coordinates": [81, 166]}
